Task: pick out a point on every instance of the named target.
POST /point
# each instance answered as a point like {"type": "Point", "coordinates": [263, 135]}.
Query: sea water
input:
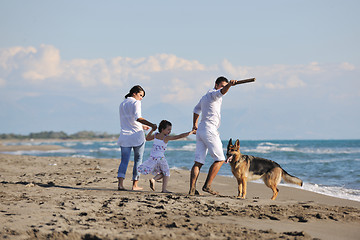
{"type": "Point", "coordinates": [330, 167]}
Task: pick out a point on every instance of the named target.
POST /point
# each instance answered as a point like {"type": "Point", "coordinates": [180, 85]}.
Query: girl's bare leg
{"type": "Point", "coordinates": [152, 184]}
{"type": "Point", "coordinates": [158, 177]}
{"type": "Point", "coordinates": [153, 180]}
{"type": "Point", "coordinates": [164, 186]}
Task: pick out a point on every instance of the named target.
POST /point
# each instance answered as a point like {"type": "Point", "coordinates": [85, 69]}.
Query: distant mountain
{"type": "Point", "coordinates": [57, 113]}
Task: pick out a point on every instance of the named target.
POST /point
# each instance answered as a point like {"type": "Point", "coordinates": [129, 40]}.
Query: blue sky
{"type": "Point", "coordinates": [66, 65]}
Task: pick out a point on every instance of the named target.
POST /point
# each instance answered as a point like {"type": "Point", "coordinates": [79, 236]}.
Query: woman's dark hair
{"type": "Point", "coordinates": [135, 89]}
{"type": "Point", "coordinates": [164, 124]}
{"type": "Point", "coordinates": [220, 80]}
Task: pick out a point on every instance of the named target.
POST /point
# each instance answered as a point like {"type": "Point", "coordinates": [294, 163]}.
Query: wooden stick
{"type": "Point", "coordinates": [245, 81]}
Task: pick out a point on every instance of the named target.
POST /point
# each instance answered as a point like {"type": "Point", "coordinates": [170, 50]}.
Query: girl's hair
{"type": "Point", "coordinates": [221, 79]}
{"type": "Point", "coordinates": [135, 89]}
{"type": "Point", "coordinates": [164, 124]}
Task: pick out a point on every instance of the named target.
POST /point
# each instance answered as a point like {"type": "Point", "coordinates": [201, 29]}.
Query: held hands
{"type": "Point", "coordinates": [153, 127]}
{"type": "Point", "coordinates": [146, 127]}
{"type": "Point", "coordinates": [193, 131]}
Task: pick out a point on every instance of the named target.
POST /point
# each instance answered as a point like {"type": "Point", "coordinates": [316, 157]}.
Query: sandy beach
{"type": "Point", "coordinates": [77, 198]}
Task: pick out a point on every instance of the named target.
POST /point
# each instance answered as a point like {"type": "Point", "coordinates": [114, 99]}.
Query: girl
{"type": "Point", "coordinates": [156, 163]}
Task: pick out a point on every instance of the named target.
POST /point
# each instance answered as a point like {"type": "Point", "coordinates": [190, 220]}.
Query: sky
{"type": "Point", "coordinates": [67, 65]}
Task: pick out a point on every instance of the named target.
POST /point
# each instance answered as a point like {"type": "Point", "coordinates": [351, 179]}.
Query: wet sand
{"type": "Point", "coordinates": [77, 198]}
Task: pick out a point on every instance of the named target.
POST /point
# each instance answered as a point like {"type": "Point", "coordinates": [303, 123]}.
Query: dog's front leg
{"type": "Point", "coordinates": [244, 185]}
{"type": "Point", "coordinates": [239, 187]}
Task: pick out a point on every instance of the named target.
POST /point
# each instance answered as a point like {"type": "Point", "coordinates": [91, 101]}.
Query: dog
{"type": "Point", "coordinates": [247, 168]}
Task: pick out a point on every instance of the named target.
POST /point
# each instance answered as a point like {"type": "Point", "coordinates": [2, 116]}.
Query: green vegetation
{"type": "Point", "coordinates": [58, 135]}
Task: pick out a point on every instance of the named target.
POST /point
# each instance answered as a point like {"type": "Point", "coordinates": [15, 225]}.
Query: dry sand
{"type": "Point", "coordinates": [77, 198]}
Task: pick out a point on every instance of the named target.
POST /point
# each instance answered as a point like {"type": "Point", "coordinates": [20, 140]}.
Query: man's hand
{"type": "Point", "coordinates": [232, 82]}
{"type": "Point", "coordinates": [226, 88]}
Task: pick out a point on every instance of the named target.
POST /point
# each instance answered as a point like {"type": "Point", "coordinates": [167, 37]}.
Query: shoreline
{"type": "Point", "coordinates": [43, 140]}
{"type": "Point", "coordinates": [65, 197]}
{"type": "Point", "coordinates": [7, 149]}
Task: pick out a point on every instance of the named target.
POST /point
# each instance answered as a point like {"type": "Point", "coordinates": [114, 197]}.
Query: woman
{"type": "Point", "coordinates": [132, 135]}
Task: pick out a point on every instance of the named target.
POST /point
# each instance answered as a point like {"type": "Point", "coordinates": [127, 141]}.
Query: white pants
{"type": "Point", "coordinates": [208, 140]}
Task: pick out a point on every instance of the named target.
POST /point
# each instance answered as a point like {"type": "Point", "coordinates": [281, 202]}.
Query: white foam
{"type": "Point", "coordinates": [333, 191]}
{"type": "Point", "coordinates": [188, 147]}
{"type": "Point", "coordinates": [112, 144]}
{"type": "Point", "coordinates": [103, 149]}
{"type": "Point", "coordinates": [267, 147]}
{"type": "Point", "coordinates": [329, 150]}
{"type": "Point", "coordinates": [39, 152]}
{"type": "Point", "coordinates": [82, 156]}
{"type": "Point", "coordinates": [70, 144]}
{"type": "Point", "coordinates": [179, 168]}
{"type": "Point", "coordinates": [109, 149]}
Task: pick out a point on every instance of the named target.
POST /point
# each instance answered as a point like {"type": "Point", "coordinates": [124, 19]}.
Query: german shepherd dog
{"type": "Point", "coordinates": [247, 168]}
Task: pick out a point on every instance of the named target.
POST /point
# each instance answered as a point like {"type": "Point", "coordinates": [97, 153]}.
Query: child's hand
{"type": "Point", "coordinates": [146, 127]}
{"type": "Point", "coordinates": [193, 131]}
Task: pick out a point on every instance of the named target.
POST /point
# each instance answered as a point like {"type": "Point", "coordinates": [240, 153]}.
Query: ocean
{"type": "Point", "coordinates": [330, 167]}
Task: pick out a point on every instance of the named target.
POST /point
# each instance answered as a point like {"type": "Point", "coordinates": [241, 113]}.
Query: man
{"type": "Point", "coordinates": [207, 135]}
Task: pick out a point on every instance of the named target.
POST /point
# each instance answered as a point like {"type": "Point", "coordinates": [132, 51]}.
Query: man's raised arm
{"type": "Point", "coordinates": [226, 88]}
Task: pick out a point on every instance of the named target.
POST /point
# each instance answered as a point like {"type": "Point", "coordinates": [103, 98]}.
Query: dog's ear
{"type": "Point", "coordinates": [230, 142]}
{"type": "Point", "coordinates": [237, 144]}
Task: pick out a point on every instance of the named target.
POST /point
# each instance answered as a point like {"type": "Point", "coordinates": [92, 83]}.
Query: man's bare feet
{"type": "Point", "coordinates": [194, 192]}
{"type": "Point", "coordinates": [152, 184]}
{"type": "Point", "coordinates": [208, 189]}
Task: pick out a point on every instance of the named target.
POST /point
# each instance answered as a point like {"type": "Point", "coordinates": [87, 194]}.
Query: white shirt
{"type": "Point", "coordinates": [210, 106]}
{"type": "Point", "coordinates": [132, 134]}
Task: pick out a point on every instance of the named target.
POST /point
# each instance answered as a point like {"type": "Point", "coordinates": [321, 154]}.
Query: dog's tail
{"type": "Point", "coordinates": [291, 179]}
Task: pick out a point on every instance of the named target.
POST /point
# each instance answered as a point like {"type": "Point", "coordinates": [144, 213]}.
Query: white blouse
{"type": "Point", "coordinates": [131, 134]}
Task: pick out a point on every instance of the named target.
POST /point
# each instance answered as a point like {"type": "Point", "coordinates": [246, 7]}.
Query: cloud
{"type": "Point", "coordinates": [179, 79]}
{"type": "Point", "coordinates": [283, 97]}
{"type": "Point", "coordinates": [88, 73]}
{"type": "Point", "coordinates": [178, 91]}
{"type": "Point", "coordinates": [42, 64]}
{"type": "Point", "coordinates": [281, 76]}
{"type": "Point", "coordinates": [10, 58]}
{"type": "Point", "coordinates": [31, 64]}
{"type": "Point", "coordinates": [240, 71]}
{"type": "Point", "coordinates": [347, 66]}
{"type": "Point", "coordinates": [291, 81]}
{"type": "Point", "coordinates": [272, 77]}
